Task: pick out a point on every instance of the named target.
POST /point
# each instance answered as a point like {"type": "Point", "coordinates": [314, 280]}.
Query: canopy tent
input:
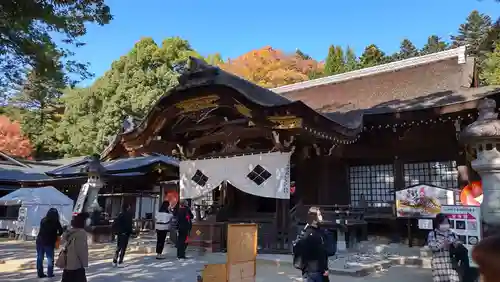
{"type": "Point", "coordinates": [34, 204]}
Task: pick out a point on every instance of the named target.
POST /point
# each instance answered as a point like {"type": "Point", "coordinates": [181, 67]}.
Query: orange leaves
{"type": "Point", "coordinates": [270, 68]}
{"type": "Point", "coordinates": [12, 141]}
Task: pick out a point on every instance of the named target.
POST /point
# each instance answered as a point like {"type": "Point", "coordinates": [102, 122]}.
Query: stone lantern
{"type": "Point", "coordinates": [483, 136]}
{"type": "Point", "coordinates": [95, 172]}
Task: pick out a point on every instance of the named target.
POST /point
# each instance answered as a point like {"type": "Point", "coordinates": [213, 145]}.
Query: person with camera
{"type": "Point", "coordinates": [310, 251]}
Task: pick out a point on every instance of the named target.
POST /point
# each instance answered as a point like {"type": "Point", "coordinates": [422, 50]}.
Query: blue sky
{"type": "Point", "coordinates": [235, 27]}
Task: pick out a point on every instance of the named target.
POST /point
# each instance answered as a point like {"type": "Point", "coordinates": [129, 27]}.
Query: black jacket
{"type": "Point", "coordinates": [123, 224]}
{"type": "Point", "coordinates": [314, 253]}
{"type": "Point", "coordinates": [49, 231]}
{"type": "Point", "coordinates": [184, 218]}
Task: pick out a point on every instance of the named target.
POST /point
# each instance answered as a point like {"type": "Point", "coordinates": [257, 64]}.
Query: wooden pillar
{"type": "Point", "coordinates": [323, 180]}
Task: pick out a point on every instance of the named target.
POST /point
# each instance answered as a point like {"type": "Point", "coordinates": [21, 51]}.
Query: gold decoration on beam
{"type": "Point", "coordinates": [285, 122]}
{"type": "Point", "coordinates": [196, 104]}
{"type": "Point", "coordinates": [243, 110]}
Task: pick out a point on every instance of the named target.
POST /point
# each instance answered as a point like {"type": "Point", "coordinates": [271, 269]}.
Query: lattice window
{"type": "Point", "coordinates": [375, 183]}
{"type": "Point", "coordinates": [441, 174]}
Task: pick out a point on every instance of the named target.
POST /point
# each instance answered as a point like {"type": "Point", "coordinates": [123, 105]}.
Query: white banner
{"type": "Point", "coordinates": [263, 175]}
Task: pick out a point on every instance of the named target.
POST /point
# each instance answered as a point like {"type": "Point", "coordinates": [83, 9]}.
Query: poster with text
{"type": "Point", "coordinates": [466, 223]}
{"type": "Point", "coordinates": [422, 201]}
{"type": "Point", "coordinates": [21, 220]}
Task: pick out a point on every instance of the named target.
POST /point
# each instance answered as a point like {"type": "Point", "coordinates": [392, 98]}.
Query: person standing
{"type": "Point", "coordinates": [440, 241]}
{"type": "Point", "coordinates": [123, 227]}
{"type": "Point", "coordinates": [163, 226]}
{"type": "Point", "coordinates": [76, 251]}
{"type": "Point", "coordinates": [310, 253]}
{"type": "Point", "coordinates": [184, 223]}
{"type": "Point", "coordinates": [50, 230]}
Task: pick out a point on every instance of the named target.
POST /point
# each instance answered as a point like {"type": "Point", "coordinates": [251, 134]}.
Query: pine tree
{"type": "Point", "coordinates": [490, 67]}
{"type": "Point", "coordinates": [434, 44]}
{"type": "Point", "coordinates": [302, 55]}
{"type": "Point", "coordinates": [407, 50]}
{"type": "Point", "coordinates": [351, 61]}
{"type": "Point", "coordinates": [334, 63]}
{"type": "Point", "coordinates": [473, 33]}
{"type": "Point", "coordinates": [372, 56]}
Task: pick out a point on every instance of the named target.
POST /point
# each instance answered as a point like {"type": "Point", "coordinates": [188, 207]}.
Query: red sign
{"type": "Point", "coordinates": [461, 216]}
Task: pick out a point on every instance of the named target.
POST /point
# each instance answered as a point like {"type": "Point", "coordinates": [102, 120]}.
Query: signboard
{"type": "Point", "coordinates": [422, 201]}
{"type": "Point", "coordinates": [466, 223]}
{"type": "Point", "coordinates": [80, 201]}
{"type": "Point", "coordinates": [21, 220]}
{"type": "Point", "coordinates": [425, 224]}
{"type": "Point", "coordinates": [241, 252]}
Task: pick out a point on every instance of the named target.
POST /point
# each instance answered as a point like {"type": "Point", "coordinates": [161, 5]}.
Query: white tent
{"type": "Point", "coordinates": [35, 202]}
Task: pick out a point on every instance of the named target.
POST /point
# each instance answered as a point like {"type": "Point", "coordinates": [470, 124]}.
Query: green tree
{"type": "Point", "coordinates": [28, 31]}
{"type": "Point", "coordinates": [302, 55]}
{"type": "Point", "coordinates": [351, 61]}
{"type": "Point", "coordinates": [434, 44]}
{"type": "Point", "coordinates": [490, 67]}
{"type": "Point", "coordinates": [473, 33]}
{"type": "Point", "coordinates": [38, 99]}
{"type": "Point", "coordinates": [334, 63]}
{"type": "Point", "coordinates": [214, 59]}
{"type": "Point", "coordinates": [132, 85]}
{"type": "Point", "coordinates": [372, 56]}
{"type": "Point", "coordinates": [407, 50]}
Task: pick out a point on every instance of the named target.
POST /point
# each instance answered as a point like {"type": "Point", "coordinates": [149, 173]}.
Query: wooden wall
{"type": "Point", "coordinates": [324, 179]}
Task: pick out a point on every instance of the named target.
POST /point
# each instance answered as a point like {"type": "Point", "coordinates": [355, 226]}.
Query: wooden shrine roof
{"type": "Point", "coordinates": [434, 80]}
{"type": "Point", "coordinates": [203, 90]}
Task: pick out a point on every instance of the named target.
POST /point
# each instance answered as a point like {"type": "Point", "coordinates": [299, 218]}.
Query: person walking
{"type": "Point", "coordinates": [440, 241]}
{"type": "Point", "coordinates": [50, 230]}
{"type": "Point", "coordinates": [123, 227]}
{"type": "Point", "coordinates": [309, 249]}
{"type": "Point", "coordinates": [74, 258]}
{"type": "Point", "coordinates": [163, 226]}
{"type": "Point", "coordinates": [184, 224]}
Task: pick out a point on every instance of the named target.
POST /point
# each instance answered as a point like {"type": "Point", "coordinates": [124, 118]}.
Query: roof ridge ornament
{"type": "Point", "coordinates": [195, 71]}
{"type": "Point", "coordinates": [486, 109]}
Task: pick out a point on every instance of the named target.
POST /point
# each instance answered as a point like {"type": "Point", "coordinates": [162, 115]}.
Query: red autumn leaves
{"type": "Point", "coordinates": [12, 141]}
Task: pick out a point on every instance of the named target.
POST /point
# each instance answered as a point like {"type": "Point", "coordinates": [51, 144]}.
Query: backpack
{"type": "Point", "coordinates": [298, 250]}
{"type": "Point", "coordinates": [330, 243]}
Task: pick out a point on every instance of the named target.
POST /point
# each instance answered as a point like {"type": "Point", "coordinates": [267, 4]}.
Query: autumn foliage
{"type": "Point", "coordinates": [12, 141]}
{"type": "Point", "coordinates": [270, 68]}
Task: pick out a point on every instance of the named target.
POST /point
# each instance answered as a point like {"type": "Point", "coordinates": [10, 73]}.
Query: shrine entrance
{"type": "Point", "coordinates": [251, 188]}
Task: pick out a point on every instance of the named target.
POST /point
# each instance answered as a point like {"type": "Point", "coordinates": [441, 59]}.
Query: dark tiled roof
{"type": "Point", "coordinates": [16, 173]}
{"type": "Point", "coordinates": [118, 167]}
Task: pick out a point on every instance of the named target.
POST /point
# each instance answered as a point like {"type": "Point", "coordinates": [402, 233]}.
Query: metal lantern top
{"type": "Point", "coordinates": [485, 128]}
{"type": "Point", "coordinates": [94, 167]}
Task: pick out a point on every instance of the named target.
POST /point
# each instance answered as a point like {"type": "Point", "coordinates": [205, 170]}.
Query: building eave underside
{"type": "Point", "coordinates": [442, 103]}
